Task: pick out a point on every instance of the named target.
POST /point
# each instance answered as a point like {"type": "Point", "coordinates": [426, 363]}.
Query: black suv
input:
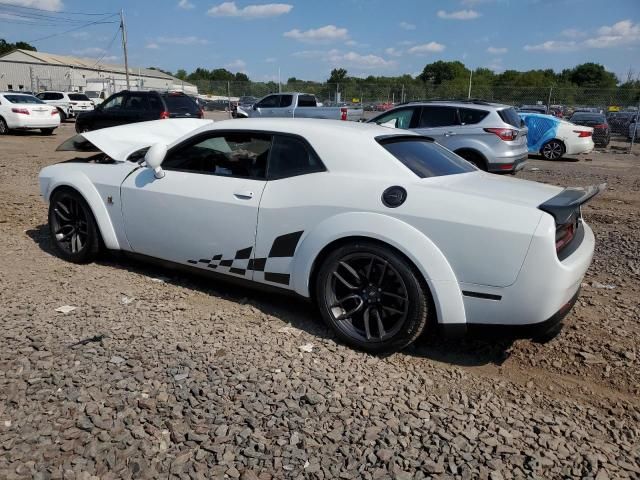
{"type": "Point", "coordinates": [130, 107]}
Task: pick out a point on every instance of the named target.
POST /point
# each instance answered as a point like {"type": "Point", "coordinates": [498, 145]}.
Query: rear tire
{"type": "Point", "coordinates": [371, 297]}
{"type": "Point", "coordinates": [63, 116]}
{"type": "Point", "coordinates": [46, 131]}
{"type": "Point", "coordinates": [474, 158]}
{"type": "Point", "coordinates": [72, 226]}
{"type": "Point", "coordinates": [552, 150]}
{"type": "Point", "coordinates": [4, 129]}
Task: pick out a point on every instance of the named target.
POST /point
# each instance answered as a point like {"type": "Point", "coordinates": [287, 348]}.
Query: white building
{"type": "Point", "coordinates": [38, 71]}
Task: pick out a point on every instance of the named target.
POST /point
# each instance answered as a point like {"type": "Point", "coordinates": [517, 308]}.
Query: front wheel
{"type": "Point", "coordinates": [73, 228]}
{"type": "Point", "coordinates": [371, 297]}
{"type": "Point", "coordinates": [4, 129]}
{"type": "Point", "coordinates": [553, 150]}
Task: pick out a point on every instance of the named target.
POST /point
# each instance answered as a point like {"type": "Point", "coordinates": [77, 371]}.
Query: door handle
{"type": "Point", "coordinates": [243, 195]}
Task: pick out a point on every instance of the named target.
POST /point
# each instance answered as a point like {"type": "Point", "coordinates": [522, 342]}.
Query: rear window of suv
{"type": "Point", "coordinates": [510, 116]}
{"type": "Point", "coordinates": [424, 157]}
{"type": "Point", "coordinates": [79, 97]}
{"type": "Point", "coordinates": [181, 104]}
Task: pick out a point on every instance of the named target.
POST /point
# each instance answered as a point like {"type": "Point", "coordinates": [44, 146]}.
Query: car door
{"type": "Point", "coordinates": [287, 210]}
{"type": "Point", "coordinates": [134, 107]}
{"type": "Point", "coordinates": [439, 122]}
{"type": "Point", "coordinates": [109, 113]}
{"type": "Point", "coordinates": [267, 106]}
{"type": "Point", "coordinates": [204, 211]}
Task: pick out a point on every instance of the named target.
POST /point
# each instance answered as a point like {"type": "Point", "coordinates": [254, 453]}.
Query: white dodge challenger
{"type": "Point", "coordinates": [388, 232]}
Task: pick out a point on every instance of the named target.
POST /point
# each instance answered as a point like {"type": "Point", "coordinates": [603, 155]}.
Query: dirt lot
{"type": "Point", "coordinates": [176, 376]}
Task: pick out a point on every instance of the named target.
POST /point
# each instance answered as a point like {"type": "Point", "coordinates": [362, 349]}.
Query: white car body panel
{"type": "Point", "coordinates": [574, 144]}
{"type": "Point", "coordinates": [470, 231]}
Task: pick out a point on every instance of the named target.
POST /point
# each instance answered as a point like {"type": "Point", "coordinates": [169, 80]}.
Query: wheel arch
{"type": "Point", "coordinates": [87, 191]}
{"type": "Point", "coordinates": [413, 245]}
{"type": "Point", "coordinates": [556, 139]}
{"type": "Point", "coordinates": [473, 152]}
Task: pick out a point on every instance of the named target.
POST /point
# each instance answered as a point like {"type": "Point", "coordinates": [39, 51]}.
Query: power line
{"type": "Point", "coordinates": [37, 17]}
{"type": "Point", "coordinates": [6, 4]}
{"type": "Point", "coordinates": [97, 22]}
{"type": "Point", "coordinates": [108, 47]}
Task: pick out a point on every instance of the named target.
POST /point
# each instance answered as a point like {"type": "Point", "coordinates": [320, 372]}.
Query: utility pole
{"type": "Point", "coordinates": [549, 99]}
{"type": "Point", "coordinates": [124, 47]}
{"type": "Point", "coordinates": [470, 77]}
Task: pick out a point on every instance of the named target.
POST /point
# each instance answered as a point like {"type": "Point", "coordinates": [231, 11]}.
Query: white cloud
{"type": "Point", "coordinates": [353, 59]}
{"type": "Point", "coordinates": [308, 54]}
{"type": "Point", "coordinates": [407, 26]}
{"type": "Point", "coordinates": [51, 5]}
{"type": "Point", "coordinates": [459, 15]}
{"type": "Point", "coordinates": [431, 47]}
{"type": "Point", "coordinates": [572, 33]}
{"type": "Point", "coordinates": [553, 46]}
{"type": "Point", "coordinates": [230, 9]}
{"type": "Point", "coordinates": [238, 65]}
{"type": "Point", "coordinates": [326, 34]}
{"type": "Point", "coordinates": [190, 40]}
{"type": "Point", "coordinates": [90, 51]}
{"type": "Point", "coordinates": [186, 4]}
{"type": "Point", "coordinates": [496, 65]}
{"type": "Point", "coordinates": [393, 52]}
{"type": "Point", "coordinates": [624, 32]}
{"type": "Point", "coordinates": [270, 60]}
{"type": "Point", "coordinates": [497, 50]}
{"type": "Point", "coordinates": [152, 46]}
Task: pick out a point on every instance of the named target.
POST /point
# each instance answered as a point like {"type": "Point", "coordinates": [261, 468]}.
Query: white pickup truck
{"type": "Point", "coordinates": [297, 105]}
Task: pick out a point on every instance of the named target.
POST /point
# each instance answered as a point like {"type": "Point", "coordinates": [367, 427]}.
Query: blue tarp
{"type": "Point", "coordinates": [542, 128]}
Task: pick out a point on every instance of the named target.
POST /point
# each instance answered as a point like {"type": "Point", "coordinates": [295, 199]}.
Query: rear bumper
{"type": "Point", "coordinates": [52, 121]}
{"type": "Point", "coordinates": [579, 145]}
{"type": "Point", "coordinates": [509, 165]}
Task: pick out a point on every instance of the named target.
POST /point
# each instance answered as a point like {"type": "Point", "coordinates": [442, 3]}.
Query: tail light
{"type": "Point", "coordinates": [602, 125]}
{"type": "Point", "coordinates": [164, 115]}
{"type": "Point", "coordinates": [343, 114]}
{"type": "Point", "coordinates": [23, 111]}
{"type": "Point", "coordinates": [582, 133]}
{"type": "Point", "coordinates": [564, 235]}
{"type": "Point", "coordinates": [54, 112]}
{"type": "Point", "coordinates": [506, 134]}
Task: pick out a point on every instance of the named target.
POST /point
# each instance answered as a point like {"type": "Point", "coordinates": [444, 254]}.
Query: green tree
{"type": "Point", "coordinates": [591, 75]}
{"type": "Point", "coordinates": [6, 47]}
{"type": "Point", "coordinates": [337, 75]}
{"type": "Point", "coordinates": [440, 71]}
{"type": "Point", "coordinates": [181, 74]}
{"type": "Point", "coordinates": [241, 77]}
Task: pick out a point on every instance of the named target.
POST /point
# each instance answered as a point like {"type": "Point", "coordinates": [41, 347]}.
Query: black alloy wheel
{"type": "Point", "coordinates": [372, 298]}
{"type": "Point", "coordinates": [72, 227]}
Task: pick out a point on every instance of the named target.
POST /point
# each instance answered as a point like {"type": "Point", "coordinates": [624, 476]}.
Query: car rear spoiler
{"type": "Point", "coordinates": [563, 205]}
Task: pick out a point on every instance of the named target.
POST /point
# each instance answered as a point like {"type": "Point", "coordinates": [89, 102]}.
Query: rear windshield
{"type": "Point", "coordinates": [510, 116]}
{"type": "Point", "coordinates": [424, 157]}
{"type": "Point", "coordinates": [588, 117]}
{"type": "Point", "coordinates": [80, 97]}
{"type": "Point", "coordinates": [180, 104]}
{"type": "Point", "coordinates": [22, 99]}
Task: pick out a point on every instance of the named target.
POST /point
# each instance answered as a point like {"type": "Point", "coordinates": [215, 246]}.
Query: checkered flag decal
{"type": "Point", "coordinates": [283, 246]}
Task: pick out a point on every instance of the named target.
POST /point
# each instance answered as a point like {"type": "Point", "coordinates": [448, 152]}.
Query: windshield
{"type": "Point", "coordinates": [80, 97]}
{"type": "Point", "coordinates": [22, 99]}
{"type": "Point", "coordinates": [424, 157]}
{"type": "Point", "coordinates": [180, 103]}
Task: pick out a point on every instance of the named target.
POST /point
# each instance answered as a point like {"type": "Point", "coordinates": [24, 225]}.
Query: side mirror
{"type": "Point", "coordinates": [393, 123]}
{"type": "Point", "coordinates": [154, 157]}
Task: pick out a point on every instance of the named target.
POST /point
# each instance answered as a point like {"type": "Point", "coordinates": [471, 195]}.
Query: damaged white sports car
{"type": "Point", "coordinates": [388, 232]}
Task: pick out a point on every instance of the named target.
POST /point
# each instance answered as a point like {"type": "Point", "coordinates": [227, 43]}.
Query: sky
{"type": "Point", "coordinates": [307, 38]}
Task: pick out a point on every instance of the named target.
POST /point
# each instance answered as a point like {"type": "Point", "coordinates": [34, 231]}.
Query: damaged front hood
{"type": "Point", "coordinates": [119, 142]}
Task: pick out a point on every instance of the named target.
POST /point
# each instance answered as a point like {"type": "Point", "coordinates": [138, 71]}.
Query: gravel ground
{"type": "Point", "coordinates": [155, 374]}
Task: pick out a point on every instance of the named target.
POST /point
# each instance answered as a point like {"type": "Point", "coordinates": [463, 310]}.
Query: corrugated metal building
{"type": "Point", "coordinates": [38, 71]}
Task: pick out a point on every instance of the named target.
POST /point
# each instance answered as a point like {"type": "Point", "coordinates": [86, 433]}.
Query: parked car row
{"type": "Point", "coordinates": [19, 111]}
{"type": "Point", "coordinates": [297, 105]}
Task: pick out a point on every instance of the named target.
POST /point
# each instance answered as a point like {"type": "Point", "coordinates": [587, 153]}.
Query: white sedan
{"type": "Point", "coordinates": [554, 137]}
{"type": "Point", "coordinates": [19, 111]}
{"type": "Point", "coordinates": [388, 232]}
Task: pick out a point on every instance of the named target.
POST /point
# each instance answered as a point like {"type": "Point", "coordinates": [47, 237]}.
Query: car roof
{"type": "Point", "coordinates": [466, 103]}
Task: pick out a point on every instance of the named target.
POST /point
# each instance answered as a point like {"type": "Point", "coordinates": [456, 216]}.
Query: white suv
{"type": "Point", "coordinates": [69, 104]}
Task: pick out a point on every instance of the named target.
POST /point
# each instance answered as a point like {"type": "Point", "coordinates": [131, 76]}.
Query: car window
{"type": "Point", "coordinates": [23, 99]}
{"type": "Point", "coordinates": [56, 96]}
{"type": "Point", "coordinates": [79, 97]}
{"type": "Point", "coordinates": [113, 103]}
{"type": "Point", "coordinates": [471, 116]}
{"type": "Point", "coordinates": [286, 101]}
{"type": "Point", "coordinates": [41, 96]}
{"type": "Point", "coordinates": [228, 154]}
{"type": "Point", "coordinates": [510, 116]}
{"type": "Point", "coordinates": [306, 101]}
{"type": "Point", "coordinates": [292, 156]}
{"type": "Point", "coordinates": [135, 102]}
{"type": "Point", "coordinates": [435, 116]}
{"type": "Point", "coordinates": [271, 101]}
{"type": "Point", "coordinates": [155, 104]}
{"type": "Point", "coordinates": [402, 117]}
{"type": "Point", "coordinates": [181, 104]}
{"type": "Point", "coordinates": [424, 157]}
